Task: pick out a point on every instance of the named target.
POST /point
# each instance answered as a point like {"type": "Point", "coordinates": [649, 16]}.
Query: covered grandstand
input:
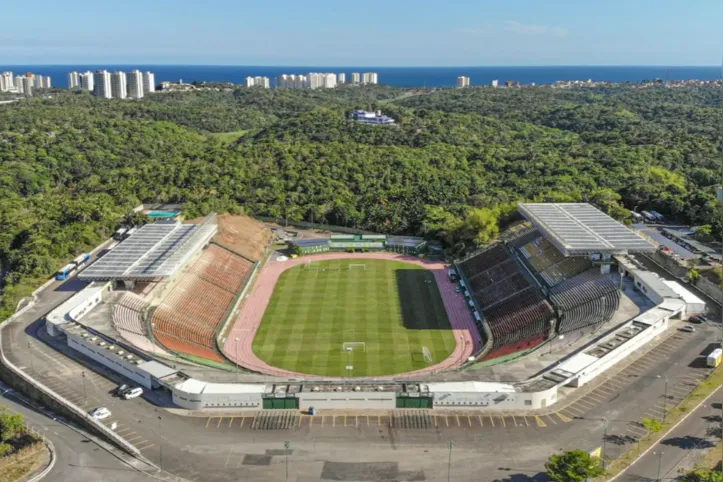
{"type": "Point", "coordinates": [545, 282]}
{"type": "Point", "coordinates": [153, 253]}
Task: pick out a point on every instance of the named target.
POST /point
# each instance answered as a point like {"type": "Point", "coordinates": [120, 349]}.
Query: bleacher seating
{"type": "Point", "coordinates": [512, 307]}
{"type": "Point", "coordinates": [188, 318]}
{"type": "Point", "coordinates": [565, 269]}
{"type": "Point", "coordinates": [585, 300]}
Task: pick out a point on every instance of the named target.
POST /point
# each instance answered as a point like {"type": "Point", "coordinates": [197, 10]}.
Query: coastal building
{"type": "Point", "coordinates": [512, 83]}
{"type": "Point", "coordinates": [258, 81]}
{"type": "Point", "coordinates": [149, 82]}
{"type": "Point", "coordinates": [87, 81]}
{"type": "Point", "coordinates": [135, 84]}
{"type": "Point", "coordinates": [119, 85]}
{"type": "Point", "coordinates": [18, 82]}
{"type": "Point", "coordinates": [355, 77]}
{"type": "Point", "coordinates": [73, 80]}
{"type": "Point", "coordinates": [101, 81]}
{"type": "Point", "coordinates": [369, 78]}
{"type": "Point", "coordinates": [27, 85]}
{"type": "Point", "coordinates": [462, 82]}
{"type": "Point", "coordinates": [314, 80]}
{"type": "Point", "coordinates": [41, 81]}
{"type": "Point", "coordinates": [341, 78]}
{"type": "Point", "coordinates": [495, 83]}
{"type": "Point", "coordinates": [374, 118]}
{"type": "Point", "coordinates": [7, 82]}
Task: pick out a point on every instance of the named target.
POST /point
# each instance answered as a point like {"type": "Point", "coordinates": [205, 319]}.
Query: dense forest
{"type": "Point", "coordinates": [73, 166]}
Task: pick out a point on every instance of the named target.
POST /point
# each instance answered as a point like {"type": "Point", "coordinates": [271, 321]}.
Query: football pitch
{"type": "Point", "coordinates": [385, 311]}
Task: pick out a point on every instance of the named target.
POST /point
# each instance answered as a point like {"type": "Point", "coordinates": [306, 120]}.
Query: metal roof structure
{"type": "Point", "coordinates": [580, 228]}
{"type": "Point", "coordinates": [311, 242]}
{"type": "Point", "coordinates": [409, 241]}
{"type": "Point", "coordinates": [154, 252]}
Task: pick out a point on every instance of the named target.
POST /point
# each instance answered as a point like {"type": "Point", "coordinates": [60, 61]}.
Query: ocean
{"type": "Point", "coordinates": [395, 76]}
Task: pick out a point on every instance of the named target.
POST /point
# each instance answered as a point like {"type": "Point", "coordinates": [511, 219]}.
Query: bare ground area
{"type": "Point", "coordinates": [241, 234]}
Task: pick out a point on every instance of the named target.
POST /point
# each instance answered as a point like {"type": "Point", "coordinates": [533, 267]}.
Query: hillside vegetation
{"type": "Point", "coordinates": [72, 166]}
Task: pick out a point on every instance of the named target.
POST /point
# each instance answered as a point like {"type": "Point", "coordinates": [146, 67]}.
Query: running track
{"type": "Point", "coordinates": [238, 347]}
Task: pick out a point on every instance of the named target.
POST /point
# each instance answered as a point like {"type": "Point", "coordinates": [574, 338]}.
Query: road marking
{"type": "Point", "coordinates": [551, 420]}
{"type": "Point", "coordinates": [230, 422]}
{"type": "Point", "coordinates": [333, 420]}
{"type": "Point", "coordinates": [540, 423]}
{"type": "Point", "coordinates": [130, 440]}
{"type": "Point", "coordinates": [458, 424]}
{"type": "Point", "coordinates": [356, 420]}
{"type": "Point", "coordinates": [379, 420]}
{"type": "Point", "coordinates": [301, 419]}
{"type": "Point", "coordinates": [503, 422]}
{"type": "Point", "coordinates": [120, 432]}
{"type": "Point", "coordinates": [481, 424]}
{"type": "Point", "coordinates": [469, 419]}
{"type": "Point", "coordinates": [513, 419]}
{"type": "Point", "coordinates": [575, 411]}
{"type": "Point", "coordinates": [208, 421]}
{"type": "Point", "coordinates": [593, 396]}
{"type": "Point", "coordinates": [145, 447]}
{"type": "Point", "coordinates": [127, 435]}
{"type": "Point", "coordinates": [322, 420]}
{"type": "Point", "coordinates": [219, 422]}
{"type": "Point", "coordinates": [243, 419]}
{"type": "Point", "coordinates": [228, 457]}
{"type": "Point", "coordinates": [585, 402]}
{"type": "Point", "coordinates": [563, 418]}
{"type": "Point", "coordinates": [367, 419]}
{"type": "Point", "coordinates": [345, 420]}
{"type": "Point", "coordinates": [524, 417]}
{"type": "Point", "coordinates": [435, 420]}
{"type": "Point", "coordinates": [492, 420]}
{"type": "Point", "coordinates": [446, 419]}
{"type": "Point", "coordinates": [605, 389]}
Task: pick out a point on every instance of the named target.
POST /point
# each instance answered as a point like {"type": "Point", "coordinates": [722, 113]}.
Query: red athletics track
{"type": "Point", "coordinates": [252, 312]}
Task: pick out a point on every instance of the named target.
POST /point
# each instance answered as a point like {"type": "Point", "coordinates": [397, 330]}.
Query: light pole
{"type": "Point", "coordinates": [449, 461]}
{"type": "Point", "coordinates": [665, 398]}
{"type": "Point", "coordinates": [160, 441]}
{"type": "Point", "coordinates": [85, 394]}
{"type": "Point", "coordinates": [605, 436]}
{"type": "Point", "coordinates": [660, 458]}
{"type": "Point", "coordinates": [238, 368]}
{"type": "Point", "coordinates": [287, 444]}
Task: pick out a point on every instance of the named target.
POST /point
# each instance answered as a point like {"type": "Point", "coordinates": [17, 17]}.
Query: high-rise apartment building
{"type": "Point", "coordinates": [87, 81]}
{"type": "Point", "coordinates": [258, 81]}
{"type": "Point", "coordinates": [355, 77]}
{"type": "Point", "coordinates": [462, 82]}
{"type": "Point", "coordinates": [73, 80]}
{"type": "Point", "coordinates": [341, 78]}
{"type": "Point", "coordinates": [19, 85]}
{"type": "Point", "coordinates": [149, 82]}
{"type": "Point", "coordinates": [495, 83]}
{"type": "Point", "coordinates": [6, 82]}
{"type": "Point", "coordinates": [135, 84]}
{"type": "Point", "coordinates": [41, 81]}
{"type": "Point", "coordinates": [369, 78]}
{"type": "Point", "coordinates": [102, 87]}
{"type": "Point", "coordinates": [27, 83]}
{"type": "Point", "coordinates": [119, 85]}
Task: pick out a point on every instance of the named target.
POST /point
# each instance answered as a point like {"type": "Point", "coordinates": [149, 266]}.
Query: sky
{"type": "Point", "coordinates": [366, 32]}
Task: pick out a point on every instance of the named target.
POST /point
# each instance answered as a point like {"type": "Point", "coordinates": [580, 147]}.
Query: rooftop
{"type": "Point", "coordinates": [155, 251]}
{"type": "Point", "coordinates": [580, 228]}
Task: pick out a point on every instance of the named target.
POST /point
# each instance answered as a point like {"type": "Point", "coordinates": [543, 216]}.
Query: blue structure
{"type": "Point", "coordinates": [375, 118]}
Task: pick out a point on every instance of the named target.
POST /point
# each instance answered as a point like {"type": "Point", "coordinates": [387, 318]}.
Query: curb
{"type": "Point", "coordinates": [663, 435]}
{"type": "Point", "coordinates": [51, 464]}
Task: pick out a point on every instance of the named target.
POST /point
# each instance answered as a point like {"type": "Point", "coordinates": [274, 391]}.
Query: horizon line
{"type": "Point", "coordinates": [362, 66]}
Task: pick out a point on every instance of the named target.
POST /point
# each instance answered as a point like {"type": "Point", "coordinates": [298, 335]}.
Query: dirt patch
{"type": "Point", "coordinates": [241, 234]}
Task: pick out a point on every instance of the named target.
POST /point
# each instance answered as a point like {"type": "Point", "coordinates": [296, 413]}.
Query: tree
{"type": "Point", "coordinates": [693, 275]}
{"type": "Point", "coordinates": [11, 426]}
{"type": "Point", "coordinates": [295, 249]}
{"type": "Point", "coordinates": [652, 424]}
{"type": "Point", "coordinates": [573, 466]}
{"type": "Point", "coordinates": [704, 475]}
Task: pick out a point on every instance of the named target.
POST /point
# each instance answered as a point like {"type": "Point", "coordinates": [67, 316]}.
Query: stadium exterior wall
{"type": "Point", "coordinates": [356, 400]}
{"type": "Point", "coordinates": [495, 400]}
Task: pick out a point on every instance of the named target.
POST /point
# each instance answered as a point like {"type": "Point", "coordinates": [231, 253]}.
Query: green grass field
{"type": "Point", "coordinates": [393, 307]}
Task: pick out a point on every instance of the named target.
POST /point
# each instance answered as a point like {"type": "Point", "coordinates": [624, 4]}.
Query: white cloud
{"type": "Point", "coordinates": [531, 29]}
{"type": "Point", "coordinates": [513, 26]}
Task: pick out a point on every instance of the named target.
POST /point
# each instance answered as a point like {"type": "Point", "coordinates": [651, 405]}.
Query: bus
{"type": "Point", "coordinates": [714, 358]}
{"type": "Point", "coordinates": [81, 260]}
{"type": "Point", "coordinates": [65, 272]}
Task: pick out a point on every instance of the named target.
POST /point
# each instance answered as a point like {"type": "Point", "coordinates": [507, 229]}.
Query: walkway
{"type": "Point", "coordinates": [239, 347]}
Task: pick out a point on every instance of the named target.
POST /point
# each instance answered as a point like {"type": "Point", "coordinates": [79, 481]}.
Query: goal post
{"type": "Point", "coordinates": [427, 355]}
{"type": "Point", "coordinates": [360, 266]}
{"type": "Point", "coordinates": [354, 345]}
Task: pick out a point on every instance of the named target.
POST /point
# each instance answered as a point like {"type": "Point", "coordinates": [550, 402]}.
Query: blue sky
{"type": "Point", "coordinates": [366, 32]}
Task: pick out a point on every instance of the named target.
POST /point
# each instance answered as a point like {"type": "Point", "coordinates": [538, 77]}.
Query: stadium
{"type": "Point", "coordinates": [231, 299]}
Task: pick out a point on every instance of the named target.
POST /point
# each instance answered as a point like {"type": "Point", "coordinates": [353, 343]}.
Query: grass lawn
{"type": "Point", "coordinates": [393, 307]}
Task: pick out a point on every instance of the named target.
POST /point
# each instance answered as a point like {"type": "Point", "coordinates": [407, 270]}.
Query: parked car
{"type": "Point", "coordinates": [458, 289]}
{"type": "Point", "coordinates": [121, 390]}
{"type": "Point", "coordinates": [100, 413]}
{"type": "Point", "coordinates": [688, 329]}
{"type": "Point", "coordinates": [133, 393]}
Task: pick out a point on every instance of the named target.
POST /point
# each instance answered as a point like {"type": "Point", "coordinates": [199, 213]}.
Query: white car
{"type": "Point", "coordinates": [100, 413]}
{"type": "Point", "coordinates": [133, 393]}
{"type": "Point", "coordinates": [688, 329]}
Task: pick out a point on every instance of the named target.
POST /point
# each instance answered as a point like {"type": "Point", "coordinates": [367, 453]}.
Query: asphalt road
{"type": "Point", "coordinates": [78, 458]}
{"type": "Point", "coordinates": [676, 453]}
{"type": "Point", "coordinates": [396, 446]}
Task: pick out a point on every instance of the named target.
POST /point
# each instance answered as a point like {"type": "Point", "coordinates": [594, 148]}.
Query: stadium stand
{"type": "Point", "coordinates": [584, 300]}
{"type": "Point", "coordinates": [188, 318]}
{"type": "Point", "coordinates": [516, 314]}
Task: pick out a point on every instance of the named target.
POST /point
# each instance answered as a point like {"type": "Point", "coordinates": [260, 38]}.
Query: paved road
{"type": "Point", "coordinates": [395, 446]}
{"type": "Point", "coordinates": [676, 453]}
{"type": "Point", "coordinates": [78, 457]}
